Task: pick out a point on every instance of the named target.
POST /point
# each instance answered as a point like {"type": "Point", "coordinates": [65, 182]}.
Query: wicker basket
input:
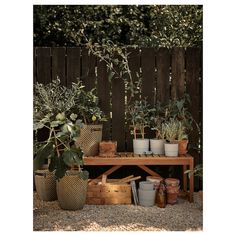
{"type": "Point", "coordinates": [89, 139]}
{"type": "Point", "coordinates": [45, 184]}
{"type": "Point", "coordinates": [71, 191]}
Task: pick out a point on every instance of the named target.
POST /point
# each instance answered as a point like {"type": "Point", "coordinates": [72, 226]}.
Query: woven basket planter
{"type": "Point", "coordinates": [89, 139]}
{"type": "Point", "coordinates": [71, 191]}
{"type": "Point", "coordinates": [45, 184]}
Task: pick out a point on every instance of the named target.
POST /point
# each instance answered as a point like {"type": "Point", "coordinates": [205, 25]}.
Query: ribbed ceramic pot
{"type": "Point", "coordinates": [157, 146]}
{"type": "Point", "coordinates": [146, 185]}
{"type": "Point", "coordinates": [146, 197]}
{"type": "Point", "coordinates": [140, 146]}
{"type": "Point", "coordinates": [171, 149]}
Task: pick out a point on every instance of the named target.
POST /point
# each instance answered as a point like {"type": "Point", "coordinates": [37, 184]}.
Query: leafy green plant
{"type": "Point", "coordinates": [197, 171]}
{"type": "Point", "coordinates": [138, 113]}
{"type": "Point", "coordinates": [170, 129]}
{"type": "Point", "coordinates": [87, 107]}
{"type": "Point", "coordinates": [181, 131]}
{"type": "Point", "coordinates": [157, 119]}
{"type": "Point", "coordinates": [53, 106]}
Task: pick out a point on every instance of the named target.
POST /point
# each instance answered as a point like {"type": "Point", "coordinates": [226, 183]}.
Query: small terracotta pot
{"type": "Point", "coordinates": [107, 148]}
{"type": "Point", "coordinates": [156, 180]}
{"type": "Point", "coordinates": [183, 144]}
{"type": "Point", "coordinates": [172, 182]}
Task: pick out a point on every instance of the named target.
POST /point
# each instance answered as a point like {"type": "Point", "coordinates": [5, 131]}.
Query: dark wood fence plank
{"type": "Point", "coordinates": [59, 64]}
{"type": "Point", "coordinates": [134, 65]}
{"type": "Point", "coordinates": [193, 88]}
{"type": "Point", "coordinates": [148, 80]}
{"type": "Point", "coordinates": [103, 90]}
{"type": "Point", "coordinates": [73, 65]}
{"type": "Point", "coordinates": [118, 113]}
{"type": "Point", "coordinates": [34, 66]}
{"type": "Point", "coordinates": [43, 65]}
{"type": "Point", "coordinates": [163, 74]}
{"type": "Point", "coordinates": [88, 64]}
{"type": "Point", "coordinates": [177, 73]}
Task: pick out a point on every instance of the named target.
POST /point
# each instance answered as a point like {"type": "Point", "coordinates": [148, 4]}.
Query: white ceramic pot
{"type": "Point", "coordinates": [171, 149]}
{"type": "Point", "coordinates": [147, 197]}
{"type": "Point", "coordinates": [141, 146]}
{"type": "Point", "coordinates": [157, 146]}
{"type": "Point", "coordinates": [146, 185]}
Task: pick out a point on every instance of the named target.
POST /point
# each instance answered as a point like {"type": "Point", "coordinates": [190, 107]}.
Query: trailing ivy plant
{"type": "Point", "coordinates": [53, 110]}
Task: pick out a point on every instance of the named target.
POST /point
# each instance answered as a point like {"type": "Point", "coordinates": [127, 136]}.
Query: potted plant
{"type": "Point", "coordinates": [156, 123]}
{"type": "Point", "coordinates": [170, 129]}
{"type": "Point", "coordinates": [89, 112]}
{"type": "Point", "coordinates": [182, 138]}
{"type": "Point", "coordinates": [53, 106]}
{"type": "Point", "coordinates": [138, 112]}
{"type": "Point", "coordinates": [198, 172]}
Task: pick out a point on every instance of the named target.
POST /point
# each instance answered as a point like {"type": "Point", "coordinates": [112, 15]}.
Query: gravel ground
{"type": "Point", "coordinates": [183, 216]}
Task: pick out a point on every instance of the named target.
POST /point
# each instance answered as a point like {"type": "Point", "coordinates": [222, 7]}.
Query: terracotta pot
{"type": "Point", "coordinates": [107, 148]}
{"type": "Point", "coordinates": [172, 182]}
{"type": "Point", "coordinates": [183, 144]}
{"type": "Point", "coordinates": [155, 179]}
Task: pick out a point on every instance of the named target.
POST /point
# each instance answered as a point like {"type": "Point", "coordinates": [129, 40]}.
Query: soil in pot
{"type": "Point", "coordinates": [45, 184]}
{"type": "Point", "coordinates": [141, 146]}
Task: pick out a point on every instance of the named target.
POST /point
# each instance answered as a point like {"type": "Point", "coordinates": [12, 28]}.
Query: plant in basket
{"type": "Point", "coordinates": [138, 113]}
{"type": "Point", "coordinates": [53, 106]}
{"type": "Point", "coordinates": [87, 107]}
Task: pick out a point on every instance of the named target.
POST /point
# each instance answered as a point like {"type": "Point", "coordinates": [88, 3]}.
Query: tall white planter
{"type": "Point", "coordinates": [157, 146]}
{"type": "Point", "coordinates": [171, 149]}
{"type": "Point", "coordinates": [141, 146]}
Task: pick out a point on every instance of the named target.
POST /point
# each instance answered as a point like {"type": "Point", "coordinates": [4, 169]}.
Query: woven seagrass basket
{"type": "Point", "coordinates": [71, 191]}
{"type": "Point", "coordinates": [89, 139]}
{"type": "Point", "coordinates": [45, 184]}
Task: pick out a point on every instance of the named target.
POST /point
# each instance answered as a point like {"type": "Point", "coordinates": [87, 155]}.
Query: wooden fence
{"type": "Point", "coordinates": [166, 74]}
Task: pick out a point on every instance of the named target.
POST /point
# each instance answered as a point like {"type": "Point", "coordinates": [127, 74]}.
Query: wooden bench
{"type": "Point", "coordinates": [142, 161]}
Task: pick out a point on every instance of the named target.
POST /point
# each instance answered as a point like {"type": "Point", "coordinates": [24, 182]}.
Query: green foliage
{"type": "Point", "coordinates": [143, 25]}
{"type": "Point", "coordinates": [170, 129]}
{"type": "Point", "coordinates": [157, 117]}
{"type": "Point", "coordinates": [197, 171]}
{"type": "Point", "coordinates": [54, 107]}
{"type": "Point", "coordinates": [138, 113]}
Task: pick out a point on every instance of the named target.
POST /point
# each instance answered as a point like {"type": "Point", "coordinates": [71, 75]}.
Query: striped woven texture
{"type": "Point", "coordinates": [71, 192]}
{"type": "Point", "coordinates": [89, 139]}
{"type": "Point", "coordinates": [45, 183]}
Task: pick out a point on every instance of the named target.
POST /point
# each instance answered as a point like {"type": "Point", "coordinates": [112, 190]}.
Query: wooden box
{"type": "Point", "coordinates": [110, 193]}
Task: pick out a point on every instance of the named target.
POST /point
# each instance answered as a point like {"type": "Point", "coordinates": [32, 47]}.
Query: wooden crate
{"type": "Point", "coordinates": [109, 193]}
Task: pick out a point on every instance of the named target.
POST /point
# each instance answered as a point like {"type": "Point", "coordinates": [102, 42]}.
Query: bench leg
{"type": "Point", "coordinates": [191, 182]}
